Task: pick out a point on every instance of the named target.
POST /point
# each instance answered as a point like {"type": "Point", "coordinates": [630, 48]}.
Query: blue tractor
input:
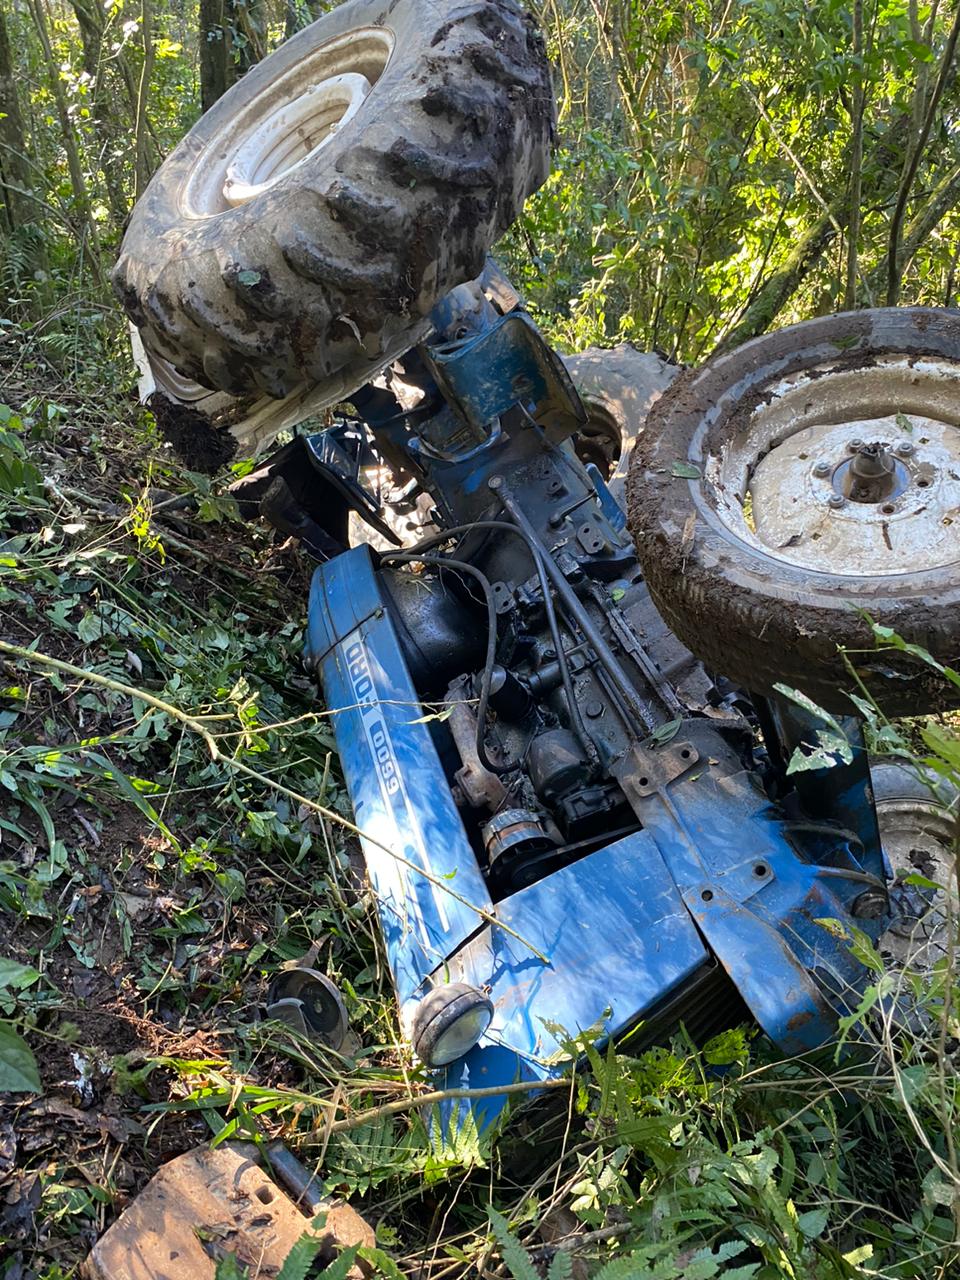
{"type": "Point", "coordinates": [580, 625]}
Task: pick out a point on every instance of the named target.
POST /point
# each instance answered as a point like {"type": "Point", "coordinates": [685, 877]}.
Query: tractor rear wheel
{"type": "Point", "coordinates": [295, 241]}
{"type": "Point", "coordinates": [785, 496]}
{"type": "Point", "coordinates": [618, 387]}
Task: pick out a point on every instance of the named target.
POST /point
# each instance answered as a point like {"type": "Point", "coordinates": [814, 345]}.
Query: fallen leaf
{"type": "Point", "coordinates": [21, 1202]}
{"type": "Point", "coordinates": [685, 470]}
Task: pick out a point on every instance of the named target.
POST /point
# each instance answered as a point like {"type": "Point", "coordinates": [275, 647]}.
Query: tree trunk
{"type": "Point", "coordinates": [217, 68]}
{"type": "Point", "coordinates": [233, 38]}
{"type": "Point", "coordinates": [249, 33]}
{"type": "Point", "coordinates": [13, 169]}
{"type": "Point", "coordinates": [105, 124]}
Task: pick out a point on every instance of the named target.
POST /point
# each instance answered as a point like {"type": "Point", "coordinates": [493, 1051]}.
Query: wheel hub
{"type": "Point", "coordinates": [870, 475]}
{"type": "Point", "coordinates": [295, 130]}
{"type": "Point", "coordinates": [918, 839]}
{"type": "Point", "coordinates": [852, 472]}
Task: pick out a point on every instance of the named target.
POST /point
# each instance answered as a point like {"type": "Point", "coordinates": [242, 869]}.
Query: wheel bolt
{"type": "Point", "coordinates": [836, 501]}
{"type": "Point", "coordinates": [903, 449]}
{"type": "Point", "coordinates": [854, 444]}
{"type": "Point", "coordinates": [870, 905]}
{"type": "Point", "coordinates": [822, 468]}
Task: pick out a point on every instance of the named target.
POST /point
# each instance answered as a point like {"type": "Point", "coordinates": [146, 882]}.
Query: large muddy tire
{"type": "Point", "coordinates": [740, 499]}
{"type": "Point", "coordinates": [618, 387]}
{"type": "Point", "coordinates": [295, 241]}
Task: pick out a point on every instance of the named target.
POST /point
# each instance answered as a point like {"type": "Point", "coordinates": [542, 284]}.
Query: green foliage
{"type": "Point", "coordinates": [18, 475]}
{"type": "Point", "coordinates": [700, 146]}
{"type": "Point", "coordinates": [18, 1067]}
{"type": "Point", "coordinates": [516, 1258]}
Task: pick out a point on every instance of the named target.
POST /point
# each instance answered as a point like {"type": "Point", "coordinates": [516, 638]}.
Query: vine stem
{"type": "Point", "coordinates": [442, 1095]}
{"type": "Point", "coordinates": [195, 723]}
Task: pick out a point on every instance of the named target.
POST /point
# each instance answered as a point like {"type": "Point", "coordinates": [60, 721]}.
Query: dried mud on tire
{"type": "Point", "coordinates": [331, 271]}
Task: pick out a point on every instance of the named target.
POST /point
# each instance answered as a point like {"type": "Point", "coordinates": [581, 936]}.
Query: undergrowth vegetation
{"type": "Point", "coordinates": [176, 829]}
{"type": "Point", "coordinates": [173, 824]}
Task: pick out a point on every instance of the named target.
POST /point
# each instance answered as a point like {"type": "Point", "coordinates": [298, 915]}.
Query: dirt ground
{"type": "Point", "coordinates": [151, 931]}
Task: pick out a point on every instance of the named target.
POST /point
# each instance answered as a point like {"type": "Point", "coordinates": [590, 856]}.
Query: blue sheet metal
{"type": "Point", "coordinates": [428, 895]}
{"type": "Point", "coordinates": [505, 364]}
{"type": "Point", "coordinates": [759, 902]}
{"type": "Point", "coordinates": [617, 941]}
{"type": "Point", "coordinates": [608, 503]}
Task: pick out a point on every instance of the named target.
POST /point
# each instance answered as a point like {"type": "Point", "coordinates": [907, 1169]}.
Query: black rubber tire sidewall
{"type": "Point", "coordinates": [892, 778]}
{"type": "Point", "coordinates": [397, 209]}
{"type": "Point", "coordinates": [618, 385]}
{"type": "Point", "coordinates": [750, 616]}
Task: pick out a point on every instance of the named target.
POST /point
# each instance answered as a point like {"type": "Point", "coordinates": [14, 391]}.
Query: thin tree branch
{"type": "Point", "coordinates": [894, 267]}
{"type": "Point", "coordinates": [856, 160]}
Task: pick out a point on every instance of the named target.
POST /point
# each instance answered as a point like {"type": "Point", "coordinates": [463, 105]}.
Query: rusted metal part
{"type": "Point", "coordinates": [871, 475]}
{"type": "Point", "coordinates": [210, 1202]}
{"type": "Point", "coordinates": [481, 788]}
{"type": "Point", "coordinates": [849, 471]}
{"type": "Point", "coordinates": [308, 1001]}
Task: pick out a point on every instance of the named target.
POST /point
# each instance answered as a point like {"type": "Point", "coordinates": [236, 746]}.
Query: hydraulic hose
{"type": "Point", "coordinates": [543, 575]}
{"type": "Point", "coordinates": [445, 562]}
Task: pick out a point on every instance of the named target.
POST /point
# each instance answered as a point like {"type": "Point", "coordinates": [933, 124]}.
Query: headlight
{"type": "Point", "coordinates": [448, 1023]}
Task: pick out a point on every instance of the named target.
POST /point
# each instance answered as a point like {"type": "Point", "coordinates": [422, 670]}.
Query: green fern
{"type": "Point", "coordinates": [561, 1268]}
{"type": "Point", "coordinates": [300, 1259]}
{"type": "Point", "coordinates": [518, 1261]}
{"type": "Point", "coordinates": [230, 1267]}
{"type": "Point", "coordinates": [514, 1255]}
{"type": "Point", "coordinates": [704, 1265]}
{"type": "Point", "coordinates": [339, 1269]}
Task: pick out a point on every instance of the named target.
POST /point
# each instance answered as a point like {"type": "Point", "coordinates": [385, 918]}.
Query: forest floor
{"type": "Point", "coordinates": [147, 891]}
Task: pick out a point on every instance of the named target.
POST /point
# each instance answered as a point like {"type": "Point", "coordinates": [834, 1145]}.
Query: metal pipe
{"type": "Point", "coordinates": [541, 562]}
{"type": "Point", "coordinates": [570, 599]}
{"type": "Point", "coordinates": [445, 562]}
{"type": "Point", "coordinates": [306, 1190]}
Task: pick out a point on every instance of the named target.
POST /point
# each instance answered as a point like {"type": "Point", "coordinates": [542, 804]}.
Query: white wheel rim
{"type": "Point", "coordinates": [917, 837]}
{"type": "Point", "coordinates": [291, 134]}
{"type": "Point", "coordinates": [782, 480]}
{"type": "Point", "coordinates": [289, 118]}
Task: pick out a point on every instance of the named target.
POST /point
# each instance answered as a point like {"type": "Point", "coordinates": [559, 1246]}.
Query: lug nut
{"type": "Point", "coordinates": [854, 444]}
{"type": "Point", "coordinates": [836, 501]}
{"type": "Point", "coordinates": [822, 468]}
{"type": "Point", "coordinates": [903, 449]}
{"type": "Point", "coordinates": [870, 905]}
